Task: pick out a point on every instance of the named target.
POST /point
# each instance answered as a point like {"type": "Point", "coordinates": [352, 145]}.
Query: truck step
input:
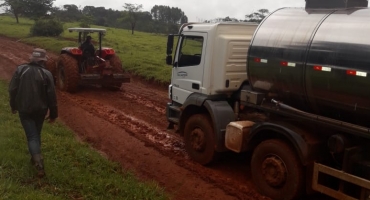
{"type": "Point", "coordinates": [175, 108]}
{"type": "Point", "coordinates": [173, 120]}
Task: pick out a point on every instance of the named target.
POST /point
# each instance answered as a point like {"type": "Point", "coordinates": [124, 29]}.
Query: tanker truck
{"type": "Point", "coordinates": [293, 90]}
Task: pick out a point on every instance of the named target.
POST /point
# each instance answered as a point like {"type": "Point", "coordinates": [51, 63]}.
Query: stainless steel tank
{"type": "Point", "coordinates": [315, 60]}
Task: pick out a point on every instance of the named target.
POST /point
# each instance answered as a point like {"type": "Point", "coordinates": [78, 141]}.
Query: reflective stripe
{"type": "Point", "coordinates": [287, 64]}
{"type": "Point", "coordinates": [263, 60]}
{"type": "Point", "coordinates": [363, 74]}
{"type": "Point", "coordinates": [320, 68]}
{"type": "Point", "coordinates": [259, 60]}
{"type": "Point", "coordinates": [356, 73]}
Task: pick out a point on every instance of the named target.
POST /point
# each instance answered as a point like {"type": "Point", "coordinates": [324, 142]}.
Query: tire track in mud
{"type": "Point", "coordinates": [147, 103]}
{"type": "Point", "coordinates": [167, 143]}
{"type": "Point", "coordinates": [129, 123]}
{"type": "Point", "coordinates": [139, 112]}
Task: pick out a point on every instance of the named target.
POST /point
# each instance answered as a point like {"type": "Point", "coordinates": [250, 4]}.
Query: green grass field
{"type": "Point", "coordinates": [142, 54]}
{"type": "Point", "coordinates": [74, 170]}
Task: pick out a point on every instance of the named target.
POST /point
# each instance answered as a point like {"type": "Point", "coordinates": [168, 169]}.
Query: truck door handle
{"type": "Point", "coordinates": [195, 86]}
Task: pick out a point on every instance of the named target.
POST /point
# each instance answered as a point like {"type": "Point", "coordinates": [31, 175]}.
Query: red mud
{"type": "Point", "coordinates": [129, 127]}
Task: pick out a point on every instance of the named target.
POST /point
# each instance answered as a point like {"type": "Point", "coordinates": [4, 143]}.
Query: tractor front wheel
{"type": "Point", "coordinates": [68, 76]}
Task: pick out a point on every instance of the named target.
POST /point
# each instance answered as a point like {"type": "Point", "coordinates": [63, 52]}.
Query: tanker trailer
{"type": "Point", "coordinates": [300, 105]}
{"type": "Point", "coordinates": [310, 68]}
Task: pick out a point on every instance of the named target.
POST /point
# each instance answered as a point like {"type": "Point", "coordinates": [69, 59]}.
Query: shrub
{"type": "Point", "coordinates": [47, 27]}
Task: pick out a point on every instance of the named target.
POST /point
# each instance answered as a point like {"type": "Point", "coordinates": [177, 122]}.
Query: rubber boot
{"type": "Point", "coordinates": [39, 165]}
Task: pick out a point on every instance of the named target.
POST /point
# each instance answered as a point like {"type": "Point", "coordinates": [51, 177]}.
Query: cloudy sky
{"type": "Point", "coordinates": [196, 10]}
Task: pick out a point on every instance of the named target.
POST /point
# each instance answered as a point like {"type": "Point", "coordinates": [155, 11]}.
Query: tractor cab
{"type": "Point", "coordinates": [93, 65]}
{"type": "Point", "coordinates": [84, 33]}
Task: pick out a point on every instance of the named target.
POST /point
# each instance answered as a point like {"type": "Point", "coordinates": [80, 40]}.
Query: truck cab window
{"type": "Point", "coordinates": [190, 51]}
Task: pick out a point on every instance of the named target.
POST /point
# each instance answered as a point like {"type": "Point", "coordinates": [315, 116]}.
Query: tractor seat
{"type": "Point", "coordinates": [87, 54]}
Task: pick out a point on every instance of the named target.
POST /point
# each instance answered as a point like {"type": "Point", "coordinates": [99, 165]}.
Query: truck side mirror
{"type": "Point", "coordinates": [170, 40]}
{"type": "Point", "coordinates": [169, 60]}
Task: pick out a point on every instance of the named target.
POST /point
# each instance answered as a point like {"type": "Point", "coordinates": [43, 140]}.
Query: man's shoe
{"type": "Point", "coordinates": [32, 162]}
{"type": "Point", "coordinates": [38, 162]}
{"type": "Point", "coordinates": [40, 172]}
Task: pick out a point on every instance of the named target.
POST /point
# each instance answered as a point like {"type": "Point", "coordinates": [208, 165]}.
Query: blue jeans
{"type": "Point", "coordinates": [32, 125]}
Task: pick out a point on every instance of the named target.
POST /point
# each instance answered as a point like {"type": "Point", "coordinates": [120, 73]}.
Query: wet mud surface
{"type": "Point", "coordinates": [129, 127]}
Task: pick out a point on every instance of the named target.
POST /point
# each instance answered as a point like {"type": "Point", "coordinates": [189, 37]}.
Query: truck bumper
{"type": "Point", "coordinates": [173, 114]}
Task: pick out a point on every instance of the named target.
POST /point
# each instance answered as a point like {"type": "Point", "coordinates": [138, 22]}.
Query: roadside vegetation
{"type": "Point", "coordinates": [74, 170]}
{"type": "Point", "coordinates": [142, 54]}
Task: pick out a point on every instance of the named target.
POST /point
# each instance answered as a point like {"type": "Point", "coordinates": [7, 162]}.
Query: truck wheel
{"type": "Point", "coordinates": [68, 76]}
{"type": "Point", "coordinates": [51, 65]}
{"type": "Point", "coordinates": [117, 68]}
{"type": "Point", "coordinates": [277, 171]}
{"type": "Point", "coordinates": [199, 139]}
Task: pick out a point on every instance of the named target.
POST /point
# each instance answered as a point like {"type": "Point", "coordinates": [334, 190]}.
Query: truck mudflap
{"type": "Point", "coordinates": [362, 183]}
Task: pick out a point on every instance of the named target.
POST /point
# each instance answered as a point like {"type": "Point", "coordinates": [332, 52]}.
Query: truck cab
{"type": "Point", "coordinates": [210, 59]}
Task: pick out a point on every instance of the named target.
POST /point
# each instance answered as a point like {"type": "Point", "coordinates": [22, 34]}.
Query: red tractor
{"type": "Point", "coordinates": [76, 66]}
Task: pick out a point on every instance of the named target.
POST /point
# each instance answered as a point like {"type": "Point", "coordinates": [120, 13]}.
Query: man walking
{"type": "Point", "coordinates": [32, 94]}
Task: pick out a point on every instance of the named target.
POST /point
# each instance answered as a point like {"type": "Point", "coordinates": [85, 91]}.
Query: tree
{"type": "Point", "coordinates": [257, 16]}
{"type": "Point", "coordinates": [13, 6]}
{"type": "Point", "coordinates": [168, 15]}
{"type": "Point", "coordinates": [71, 12]}
{"type": "Point", "coordinates": [29, 8]}
{"type": "Point", "coordinates": [132, 10]}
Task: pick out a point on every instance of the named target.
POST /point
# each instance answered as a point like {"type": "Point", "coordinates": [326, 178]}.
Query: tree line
{"type": "Point", "coordinates": [160, 19]}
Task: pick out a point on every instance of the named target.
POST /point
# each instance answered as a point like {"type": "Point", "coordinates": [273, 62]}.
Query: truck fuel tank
{"type": "Point", "coordinates": [236, 132]}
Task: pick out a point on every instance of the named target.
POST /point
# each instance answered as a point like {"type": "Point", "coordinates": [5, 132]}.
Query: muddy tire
{"type": "Point", "coordinates": [117, 68]}
{"type": "Point", "coordinates": [51, 65]}
{"type": "Point", "coordinates": [277, 171]}
{"type": "Point", "coordinates": [67, 73]}
{"type": "Point", "coordinates": [199, 139]}
{"type": "Point", "coordinates": [116, 64]}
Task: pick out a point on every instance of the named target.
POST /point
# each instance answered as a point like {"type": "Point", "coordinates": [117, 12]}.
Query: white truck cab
{"type": "Point", "coordinates": [210, 59]}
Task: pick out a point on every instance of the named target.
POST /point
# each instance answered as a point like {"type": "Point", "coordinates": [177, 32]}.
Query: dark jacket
{"type": "Point", "coordinates": [88, 49]}
{"type": "Point", "coordinates": [32, 90]}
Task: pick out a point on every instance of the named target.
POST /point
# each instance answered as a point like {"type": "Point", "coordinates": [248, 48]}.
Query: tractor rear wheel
{"type": "Point", "coordinates": [116, 63]}
{"type": "Point", "coordinates": [67, 71]}
{"type": "Point", "coordinates": [51, 65]}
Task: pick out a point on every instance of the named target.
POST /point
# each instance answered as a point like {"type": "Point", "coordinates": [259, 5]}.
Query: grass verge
{"type": "Point", "coordinates": [142, 54]}
{"type": "Point", "coordinates": [74, 170]}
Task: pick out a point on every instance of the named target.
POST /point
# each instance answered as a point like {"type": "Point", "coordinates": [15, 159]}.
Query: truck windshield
{"type": "Point", "coordinates": [190, 51]}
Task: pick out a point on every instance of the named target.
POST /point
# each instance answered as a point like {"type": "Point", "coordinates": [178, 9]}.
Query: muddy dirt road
{"type": "Point", "coordinates": [129, 127]}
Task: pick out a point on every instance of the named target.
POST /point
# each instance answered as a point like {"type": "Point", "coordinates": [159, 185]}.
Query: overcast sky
{"type": "Point", "coordinates": [196, 10]}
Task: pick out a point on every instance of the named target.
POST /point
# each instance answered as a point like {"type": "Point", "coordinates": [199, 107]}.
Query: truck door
{"type": "Point", "coordinates": [187, 73]}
